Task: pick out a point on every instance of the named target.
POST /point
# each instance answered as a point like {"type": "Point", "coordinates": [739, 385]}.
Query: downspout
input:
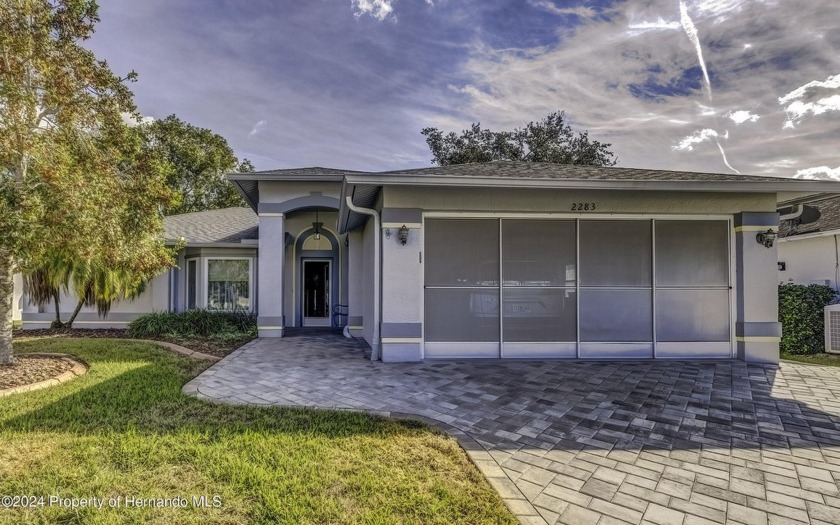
{"type": "Point", "coordinates": [795, 213]}
{"type": "Point", "coordinates": [377, 292]}
{"type": "Point", "coordinates": [836, 265]}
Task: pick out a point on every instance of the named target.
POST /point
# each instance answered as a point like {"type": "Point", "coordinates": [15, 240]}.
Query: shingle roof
{"type": "Point", "coordinates": [543, 170]}
{"type": "Point", "coordinates": [228, 225]}
{"type": "Point", "coordinates": [829, 219]}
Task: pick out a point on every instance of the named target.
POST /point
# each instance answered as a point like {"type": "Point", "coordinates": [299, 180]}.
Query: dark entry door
{"type": "Point", "coordinates": [316, 293]}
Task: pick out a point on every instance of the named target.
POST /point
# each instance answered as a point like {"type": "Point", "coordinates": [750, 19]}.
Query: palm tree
{"type": "Point", "coordinates": [43, 286]}
{"type": "Point", "coordinates": [102, 287]}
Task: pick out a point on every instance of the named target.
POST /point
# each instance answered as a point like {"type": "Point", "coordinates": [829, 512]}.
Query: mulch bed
{"type": "Point", "coordinates": [213, 347]}
{"type": "Point", "coordinates": [32, 369]}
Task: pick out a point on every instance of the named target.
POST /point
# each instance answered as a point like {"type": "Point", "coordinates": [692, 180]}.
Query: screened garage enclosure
{"type": "Point", "coordinates": [577, 288]}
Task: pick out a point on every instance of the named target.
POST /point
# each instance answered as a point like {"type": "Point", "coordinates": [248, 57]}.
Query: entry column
{"type": "Point", "coordinates": [402, 285]}
{"type": "Point", "coordinates": [270, 319]}
{"type": "Point", "coordinates": [757, 327]}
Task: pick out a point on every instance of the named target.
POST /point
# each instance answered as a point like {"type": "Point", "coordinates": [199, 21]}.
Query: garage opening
{"type": "Point", "coordinates": [598, 288]}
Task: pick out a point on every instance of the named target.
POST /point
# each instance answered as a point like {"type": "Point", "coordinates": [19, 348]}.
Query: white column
{"type": "Point", "coordinates": [757, 327]}
{"type": "Point", "coordinates": [402, 288]}
{"type": "Point", "coordinates": [270, 318]}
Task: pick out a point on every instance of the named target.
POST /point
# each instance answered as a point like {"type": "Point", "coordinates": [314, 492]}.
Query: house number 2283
{"type": "Point", "coordinates": [583, 206]}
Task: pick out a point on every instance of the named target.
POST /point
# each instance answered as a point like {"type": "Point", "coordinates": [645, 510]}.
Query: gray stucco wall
{"type": "Point", "coordinates": [367, 281]}
{"type": "Point", "coordinates": [810, 260]}
{"type": "Point", "coordinates": [17, 300]}
{"type": "Point", "coordinates": [355, 281]}
{"type": "Point", "coordinates": [155, 297]}
{"type": "Point", "coordinates": [283, 191]}
{"type": "Point", "coordinates": [561, 201]}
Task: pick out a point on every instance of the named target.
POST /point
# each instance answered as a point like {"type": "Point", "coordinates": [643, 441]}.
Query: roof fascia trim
{"type": "Point", "coordinates": [245, 195]}
{"type": "Point", "coordinates": [656, 185]}
{"type": "Point", "coordinates": [267, 176]}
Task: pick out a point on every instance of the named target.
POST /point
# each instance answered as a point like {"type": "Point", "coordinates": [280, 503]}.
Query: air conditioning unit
{"type": "Point", "coordinates": [832, 329]}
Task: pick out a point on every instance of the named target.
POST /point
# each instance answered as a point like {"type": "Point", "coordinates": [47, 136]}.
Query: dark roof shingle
{"type": "Point", "coordinates": [228, 225]}
{"type": "Point", "coordinates": [544, 170]}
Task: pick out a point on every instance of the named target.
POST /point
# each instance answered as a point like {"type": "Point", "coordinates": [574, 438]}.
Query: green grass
{"type": "Point", "coordinates": [124, 428]}
{"type": "Point", "coordinates": [814, 359]}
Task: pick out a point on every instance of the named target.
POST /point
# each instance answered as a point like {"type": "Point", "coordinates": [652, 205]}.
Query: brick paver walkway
{"type": "Point", "coordinates": [588, 442]}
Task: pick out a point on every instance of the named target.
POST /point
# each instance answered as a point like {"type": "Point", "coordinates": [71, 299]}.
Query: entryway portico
{"type": "Point", "coordinates": [302, 261]}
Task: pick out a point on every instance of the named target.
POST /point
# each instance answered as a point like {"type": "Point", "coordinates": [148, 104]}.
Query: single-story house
{"type": "Point", "coordinates": [493, 260]}
{"type": "Point", "coordinates": [808, 250]}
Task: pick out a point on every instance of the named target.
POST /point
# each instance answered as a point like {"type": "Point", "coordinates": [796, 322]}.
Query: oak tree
{"type": "Point", "coordinates": [551, 139]}
{"type": "Point", "coordinates": [77, 184]}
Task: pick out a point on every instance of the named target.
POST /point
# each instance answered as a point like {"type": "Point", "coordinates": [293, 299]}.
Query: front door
{"type": "Point", "coordinates": [316, 292]}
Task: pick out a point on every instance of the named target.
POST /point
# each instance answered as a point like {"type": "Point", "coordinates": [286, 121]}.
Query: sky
{"type": "Point", "coordinates": [723, 86]}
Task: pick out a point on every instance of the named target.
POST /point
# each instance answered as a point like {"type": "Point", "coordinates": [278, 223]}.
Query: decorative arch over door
{"type": "Point", "coordinates": [317, 264]}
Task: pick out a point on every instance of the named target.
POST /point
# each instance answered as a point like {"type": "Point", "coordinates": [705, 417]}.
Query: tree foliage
{"type": "Point", "coordinates": [199, 159]}
{"type": "Point", "coordinates": [78, 187]}
{"type": "Point", "coordinates": [548, 140]}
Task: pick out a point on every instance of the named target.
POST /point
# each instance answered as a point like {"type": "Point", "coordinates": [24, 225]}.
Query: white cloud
{"type": "Point", "coordinates": [691, 32]}
{"type": "Point", "coordinates": [601, 73]}
{"type": "Point", "coordinates": [658, 25]}
{"type": "Point", "coordinates": [378, 9]}
{"type": "Point", "coordinates": [581, 11]}
{"type": "Point", "coordinates": [698, 137]}
{"type": "Point", "coordinates": [132, 120]}
{"type": "Point", "coordinates": [742, 115]}
{"type": "Point", "coordinates": [819, 172]}
{"type": "Point", "coordinates": [814, 97]}
{"type": "Point", "coordinates": [258, 127]}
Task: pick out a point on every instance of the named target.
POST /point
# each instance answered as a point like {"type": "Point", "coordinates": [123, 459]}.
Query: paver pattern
{"type": "Point", "coordinates": [588, 442]}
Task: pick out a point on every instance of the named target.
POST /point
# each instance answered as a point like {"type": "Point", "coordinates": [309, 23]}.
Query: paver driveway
{"type": "Point", "coordinates": [588, 442]}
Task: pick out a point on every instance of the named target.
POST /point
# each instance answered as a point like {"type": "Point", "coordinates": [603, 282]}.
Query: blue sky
{"type": "Point", "coordinates": [703, 85]}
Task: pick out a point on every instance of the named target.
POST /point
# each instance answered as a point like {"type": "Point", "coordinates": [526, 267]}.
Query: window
{"type": "Point", "coordinates": [229, 284]}
{"type": "Point", "coordinates": [314, 243]}
{"type": "Point", "coordinates": [192, 283]}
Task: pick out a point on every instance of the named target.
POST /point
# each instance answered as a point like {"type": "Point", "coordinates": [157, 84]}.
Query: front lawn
{"type": "Point", "coordinates": [125, 430]}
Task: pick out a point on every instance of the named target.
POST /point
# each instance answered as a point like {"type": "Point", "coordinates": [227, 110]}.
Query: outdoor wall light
{"type": "Point", "coordinates": [317, 227]}
{"type": "Point", "coordinates": [402, 234]}
{"type": "Point", "coordinates": [766, 238]}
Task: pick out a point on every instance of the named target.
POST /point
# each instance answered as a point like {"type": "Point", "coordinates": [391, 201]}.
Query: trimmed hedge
{"type": "Point", "coordinates": [802, 318]}
{"type": "Point", "coordinates": [195, 323]}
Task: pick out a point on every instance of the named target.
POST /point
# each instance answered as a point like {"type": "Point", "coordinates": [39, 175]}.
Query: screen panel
{"type": "Point", "coordinates": [538, 253]}
{"type": "Point", "coordinates": [692, 315]}
{"type": "Point", "coordinates": [455, 314]}
{"type": "Point", "coordinates": [692, 253]}
{"type": "Point", "coordinates": [462, 252]}
{"type": "Point", "coordinates": [539, 315]}
{"type": "Point", "coordinates": [615, 253]}
{"type": "Point", "coordinates": [616, 315]}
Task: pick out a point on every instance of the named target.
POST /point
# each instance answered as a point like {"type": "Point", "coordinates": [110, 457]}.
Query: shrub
{"type": "Point", "coordinates": [195, 323]}
{"type": "Point", "coordinates": [802, 318]}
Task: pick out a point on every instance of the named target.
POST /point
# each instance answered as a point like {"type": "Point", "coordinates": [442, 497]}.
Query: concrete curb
{"type": "Point", "coordinates": [179, 349]}
{"type": "Point", "coordinates": [78, 368]}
